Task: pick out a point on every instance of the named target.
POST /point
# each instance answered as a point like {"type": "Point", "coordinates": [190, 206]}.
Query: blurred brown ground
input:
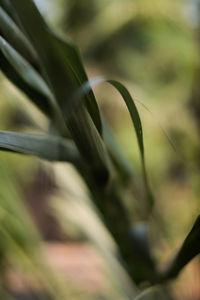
{"type": "Point", "coordinates": [78, 262]}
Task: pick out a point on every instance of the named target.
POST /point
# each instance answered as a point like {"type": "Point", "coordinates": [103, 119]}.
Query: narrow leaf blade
{"type": "Point", "coordinates": [126, 96]}
{"type": "Point", "coordinates": [15, 37]}
{"type": "Point", "coordinates": [60, 60]}
{"type": "Point", "coordinates": [189, 249]}
{"type": "Point", "coordinates": [18, 70]}
{"type": "Point", "coordinates": [46, 147]}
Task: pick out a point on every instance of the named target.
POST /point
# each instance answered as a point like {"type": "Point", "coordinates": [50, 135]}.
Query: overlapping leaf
{"type": "Point", "coordinates": [15, 37]}
{"type": "Point", "coordinates": [46, 147]}
{"type": "Point", "coordinates": [60, 60]}
{"type": "Point", "coordinates": [127, 99]}
{"type": "Point", "coordinates": [134, 117]}
{"type": "Point", "coordinates": [64, 73]}
{"type": "Point", "coordinates": [17, 69]}
{"type": "Point", "coordinates": [8, 8]}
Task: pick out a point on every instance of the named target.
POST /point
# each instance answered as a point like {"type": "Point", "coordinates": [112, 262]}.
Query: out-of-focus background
{"type": "Point", "coordinates": [152, 46]}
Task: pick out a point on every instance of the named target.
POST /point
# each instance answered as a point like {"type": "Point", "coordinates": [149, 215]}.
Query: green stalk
{"type": "Point", "coordinates": [109, 201]}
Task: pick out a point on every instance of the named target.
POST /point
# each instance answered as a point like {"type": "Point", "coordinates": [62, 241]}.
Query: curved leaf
{"type": "Point", "coordinates": [189, 249]}
{"type": "Point", "coordinates": [126, 97]}
{"type": "Point", "coordinates": [46, 147]}
{"type": "Point", "coordinates": [134, 117]}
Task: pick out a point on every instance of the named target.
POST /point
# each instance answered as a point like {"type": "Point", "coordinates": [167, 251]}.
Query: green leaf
{"type": "Point", "coordinates": [90, 145]}
{"type": "Point", "coordinates": [71, 55]}
{"type": "Point", "coordinates": [15, 37]}
{"type": "Point", "coordinates": [133, 113]}
{"type": "Point", "coordinates": [46, 147]}
{"type": "Point", "coordinates": [127, 99]}
{"type": "Point", "coordinates": [63, 72]}
{"type": "Point", "coordinates": [18, 70]}
{"type": "Point", "coordinates": [60, 60]}
{"type": "Point", "coordinates": [37, 97]}
{"type": "Point", "coordinates": [24, 69]}
{"type": "Point", "coordinates": [134, 117]}
{"type": "Point", "coordinates": [7, 7]}
{"type": "Point", "coordinates": [189, 249]}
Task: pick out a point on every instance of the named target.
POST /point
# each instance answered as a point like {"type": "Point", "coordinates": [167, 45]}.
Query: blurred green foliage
{"type": "Point", "coordinates": [153, 47]}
